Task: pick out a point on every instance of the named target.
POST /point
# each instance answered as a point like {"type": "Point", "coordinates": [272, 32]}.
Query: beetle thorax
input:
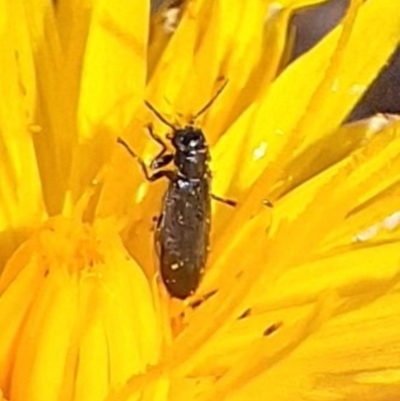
{"type": "Point", "coordinates": [191, 155]}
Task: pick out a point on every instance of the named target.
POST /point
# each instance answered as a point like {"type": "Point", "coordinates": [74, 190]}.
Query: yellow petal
{"type": "Point", "coordinates": [21, 199]}
{"type": "Point", "coordinates": [114, 69]}
{"type": "Point", "coordinates": [292, 101]}
{"type": "Point", "coordinates": [84, 300]}
{"type": "Point", "coordinates": [351, 358]}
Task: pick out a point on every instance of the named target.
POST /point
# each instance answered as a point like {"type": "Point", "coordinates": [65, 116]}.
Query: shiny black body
{"type": "Point", "coordinates": [182, 234]}
{"type": "Point", "coordinates": [183, 229]}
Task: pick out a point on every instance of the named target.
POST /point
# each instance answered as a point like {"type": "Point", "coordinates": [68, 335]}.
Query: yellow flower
{"type": "Point", "coordinates": [299, 300]}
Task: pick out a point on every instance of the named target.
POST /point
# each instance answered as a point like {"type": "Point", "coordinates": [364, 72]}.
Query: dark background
{"type": "Point", "coordinates": [384, 94]}
{"type": "Point", "coordinates": [311, 25]}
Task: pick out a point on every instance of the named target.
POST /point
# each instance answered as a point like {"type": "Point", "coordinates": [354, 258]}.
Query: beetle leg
{"type": "Point", "coordinates": [161, 161]}
{"type": "Point", "coordinates": [169, 174]}
{"type": "Point", "coordinates": [228, 202]}
{"type": "Point", "coordinates": [231, 202]}
{"type": "Point", "coordinates": [149, 176]}
{"type": "Point", "coordinates": [157, 220]}
{"type": "Point", "coordinates": [158, 139]}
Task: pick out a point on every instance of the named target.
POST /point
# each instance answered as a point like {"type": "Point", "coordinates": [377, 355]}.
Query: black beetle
{"type": "Point", "coordinates": [183, 228]}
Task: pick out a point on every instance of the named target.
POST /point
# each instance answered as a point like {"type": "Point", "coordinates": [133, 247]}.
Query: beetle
{"type": "Point", "coordinates": [183, 228]}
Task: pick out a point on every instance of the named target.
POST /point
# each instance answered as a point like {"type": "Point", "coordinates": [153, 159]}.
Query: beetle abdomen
{"type": "Point", "coordinates": [183, 235]}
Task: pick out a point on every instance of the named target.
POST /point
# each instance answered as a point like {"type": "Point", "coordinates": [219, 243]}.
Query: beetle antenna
{"type": "Point", "coordinates": [127, 147]}
{"type": "Point", "coordinates": [159, 115]}
{"type": "Point", "coordinates": [210, 102]}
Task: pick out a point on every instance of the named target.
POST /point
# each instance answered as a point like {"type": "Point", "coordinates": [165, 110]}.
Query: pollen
{"type": "Point", "coordinates": [70, 295]}
{"type": "Point", "coordinates": [259, 151]}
